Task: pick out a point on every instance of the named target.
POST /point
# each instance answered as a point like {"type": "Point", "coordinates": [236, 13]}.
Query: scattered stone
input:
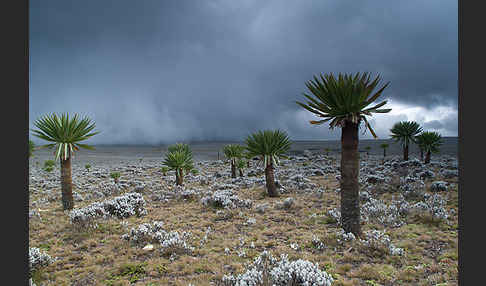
{"type": "Point", "coordinates": [261, 208]}
{"type": "Point", "coordinates": [288, 203]}
{"type": "Point", "coordinates": [149, 247]}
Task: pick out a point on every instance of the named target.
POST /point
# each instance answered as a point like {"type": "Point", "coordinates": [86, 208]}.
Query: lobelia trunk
{"type": "Point", "coordinates": [67, 184]}
{"type": "Point", "coordinates": [233, 169]}
{"type": "Point", "coordinates": [384, 152]}
{"type": "Point", "coordinates": [270, 181]}
{"type": "Point", "coordinates": [179, 177]}
{"type": "Point", "coordinates": [350, 212]}
{"type": "Point", "coordinates": [427, 157]}
{"type": "Point", "coordinates": [405, 153]}
{"type": "Point", "coordinates": [241, 173]}
{"type": "Point", "coordinates": [421, 154]}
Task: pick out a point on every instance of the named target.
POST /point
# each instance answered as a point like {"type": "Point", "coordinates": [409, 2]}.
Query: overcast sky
{"type": "Point", "coordinates": [165, 71]}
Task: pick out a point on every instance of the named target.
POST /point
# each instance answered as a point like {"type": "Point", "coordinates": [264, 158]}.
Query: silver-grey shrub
{"type": "Point", "coordinates": [378, 240]}
{"type": "Point", "coordinates": [38, 259]}
{"type": "Point", "coordinates": [433, 205]}
{"type": "Point", "coordinates": [171, 242]}
{"type": "Point", "coordinates": [438, 186]}
{"type": "Point", "coordinates": [392, 215]}
{"type": "Point", "coordinates": [267, 270]}
{"type": "Point", "coordinates": [120, 207]}
{"type": "Point", "coordinates": [225, 199]}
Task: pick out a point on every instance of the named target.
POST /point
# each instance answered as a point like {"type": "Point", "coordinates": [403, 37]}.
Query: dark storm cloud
{"type": "Point", "coordinates": [163, 71]}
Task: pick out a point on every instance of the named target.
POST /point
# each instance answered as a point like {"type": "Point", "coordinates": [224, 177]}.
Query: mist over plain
{"type": "Point", "coordinates": [167, 71]}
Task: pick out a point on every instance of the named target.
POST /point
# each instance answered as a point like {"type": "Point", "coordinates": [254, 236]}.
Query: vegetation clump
{"type": "Point", "coordinates": [164, 170]}
{"type": "Point", "coordinates": [38, 259]}
{"type": "Point", "coordinates": [49, 165]}
{"type": "Point", "coordinates": [267, 270]}
{"type": "Point", "coordinates": [225, 199]}
{"type": "Point", "coordinates": [115, 176]}
{"type": "Point", "coordinates": [170, 242]}
{"type": "Point", "coordinates": [120, 207]}
{"type": "Point", "coordinates": [378, 240]}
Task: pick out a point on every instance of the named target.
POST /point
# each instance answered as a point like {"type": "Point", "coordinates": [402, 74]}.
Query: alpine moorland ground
{"type": "Point", "coordinates": [415, 204]}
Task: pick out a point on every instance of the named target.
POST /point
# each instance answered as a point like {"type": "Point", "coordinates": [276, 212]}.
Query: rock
{"type": "Point", "coordinates": [139, 189]}
{"type": "Point", "coordinates": [251, 221]}
{"type": "Point", "coordinates": [261, 208]}
{"type": "Point", "coordinates": [288, 203]}
{"type": "Point", "coordinates": [34, 214]}
{"type": "Point", "coordinates": [77, 197]}
{"type": "Point", "coordinates": [149, 247]}
{"type": "Point", "coordinates": [364, 196]}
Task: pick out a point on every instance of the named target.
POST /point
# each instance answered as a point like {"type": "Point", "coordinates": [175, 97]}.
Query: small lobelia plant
{"type": "Point", "coordinates": [233, 152]}
{"type": "Point", "coordinates": [164, 170]}
{"type": "Point", "coordinates": [367, 148]}
{"type": "Point", "coordinates": [384, 146]}
{"type": "Point", "coordinates": [49, 165]}
{"type": "Point", "coordinates": [241, 164]}
{"type": "Point", "coordinates": [248, 157]}
{"type": "Point", "coordinates": [327, 150]}
{"type": "Point", "coordinates": [429, 142]}
{"type": "Point", "coordinates": [87, 167]}
{"type": "Point", "coordinates": [179, 159]}
{"type": "Point", "coordinates": [115, 176]}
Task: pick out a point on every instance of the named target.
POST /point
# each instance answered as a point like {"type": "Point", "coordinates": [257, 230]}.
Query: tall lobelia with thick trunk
{"type": "Point", "coordinates": [429, 142]}
{"type": "Point", "coordinates": [269, 146]}
{"type": "Point", "coordinates": [65, 133]}
{"type": "Point", "coordinates": [179, 159]}
{"type": "Point", "coordinates": [405, 132]}
{"type": "Point", "coordinates": [344, 101]}
{"type": "Point", "coordinates": [233, 152]}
